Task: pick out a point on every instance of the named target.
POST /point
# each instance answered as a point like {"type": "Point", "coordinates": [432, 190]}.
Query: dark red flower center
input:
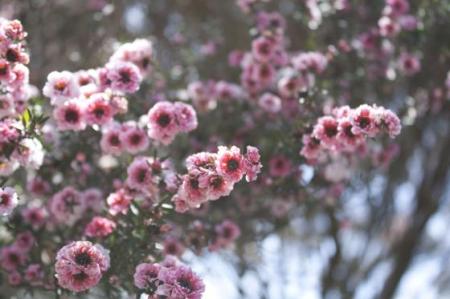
{"type": "Point", "coordinates": [348, 131]}
{"type": "Point", "coordinates": [114, 140]}
{"type": "Point", "coordinates": [125, 76]}
{"type": "Point", "coordinates": [145, 62]}
{"type": "Point", "coordinates": [331, 130]}
{"type": "Point", "coordinates": [83, 259]}
{"type": "Point", "coordinates": [135, 139]}
{"type": "Point", "coordinates": [227, 233]}
{"type": "Point", "coordinates": [99, 112]}
{"type": "Point", "coordinates": [363, 121]}
{"type": "Point", "coordinates": [71, 116]}
{"type": "Point", "coordinates": [5, 199]}
{"type": "Point", "coordinates": [185, 283]}
{"type": "Point", "coordinates": [194, 183]}
{"type": "Point", "coordinates": [232, 165]}
{"type": "Point", "coordinates": [141, 175]}
{"type": "Point", "coordinates": [164, 120]}
{"type": "Point", "coordinates": [217, 182]}
{"type": "Point", "coordinates": [80, 276]}
{"type": "Point", "coordinates": [14, 258]}
{"type": "Point", "coordinates": [12, 55]}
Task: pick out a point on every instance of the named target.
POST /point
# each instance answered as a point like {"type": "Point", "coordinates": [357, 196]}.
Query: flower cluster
{"type": "Point", "coordinates": [347, 129]}
{"type": "Point", "coordinates": [213, 175]}
{"type": "Point", "coordinates": [80, 265]}
{"type": "Point", "coordinates": [68, 205]}
{"type": "Point", "coordinates": [93, 97]}
{"type": "Point", "coordinates": [166, 120]}
{"type": "Point", "coordinates": [15, 260]}
{"type": "Point", "coordinates": [170, 279]}
{"type": "Point", "coordinates": [18, 147]}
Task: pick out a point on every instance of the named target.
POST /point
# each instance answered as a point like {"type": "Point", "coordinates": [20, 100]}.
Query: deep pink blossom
{"type": "Point", "coordinates": [80, 265]}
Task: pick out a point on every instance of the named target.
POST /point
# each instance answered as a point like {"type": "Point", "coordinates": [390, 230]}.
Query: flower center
{"type": "Point", "coordinates": [141, 175]}
{"type": "Point", "coordinates": [364, 122]}
{"type": "Point", "coordinates": [348, 131]}
{"type": "Point", "coordinates": [71, 116]}
{"type": "Point", "coordinates": [80, 276]}
{"type": "Point", "coordinates": [233, 164]}
{"type": "Point", "coordinates": [83, 259]}
{"type": "Point", "coordinates": [114, 140]}
{"type": "Point", "coordinates": [183, 282]}
{"type": "Point", "coordinates": [60, 85]}
{"type": "Point", "coordinates": [5, 199]}
{"type": "Point", "coordinates": [125, 77]}
{"type": "Point", "coordinates": [12, 56]}
{"type": "Point", "coordinates": [331, 130]}
{"type": "Point", "coordinates": [135, 139]}
{"type": "Point", "coordinates": [164, 120]}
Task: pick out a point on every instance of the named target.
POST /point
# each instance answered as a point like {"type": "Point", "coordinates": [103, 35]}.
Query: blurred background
{"type": "Point", "coordinates": [384, 234]}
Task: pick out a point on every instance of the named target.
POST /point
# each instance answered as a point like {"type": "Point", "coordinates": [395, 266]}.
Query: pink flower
{"type": "Point", "coordinates": [409, 64]}
{"type": "Point", "coordinates": [98, 110]}
{"type": "Point", "coordinates": [25, 241]}
{"type": "Point", "coordinates": [80, 265]}
{"type": "Point", "coordinates": [123, 76]}
{"type": "Point", "coordinates": [14, 30]}
{"type": "Point", "coordinates": [390, 121]}
{"type": "Point", "coordinates": [8, 200]}
{"type": "Point", "coordinates": [230, 163]}
{"type": "Point", "coordinates": [263, 48]}
{"type": "Point", "coordinates": [37, 186]}
{"type": "Point", "coordinates": [252, 163]}
{"type": "Point", "coordinates": [119, 202]}
{"type": "Point", "coordinates": [363, 120]}
{"type": "Point", "coordinates": [34, 216]}
{"type": "Point", "coordinates": [290, 86]}
{"type": "Point", "coordinates": [70, 116]}
{"type": "Point", "coordinates": [396, 7]}
{"type": "Point", "coordinates": [388, 27]}
{"type": "Point", "coordinates": [186, 117]}
{"type": "Point", "coordinates": [326, 131]}
{"type": "Point", "coordinates": [311, 147]}
{"type": "Point", "coordinates": [146, 276]}
{"type": "Point", "coordinates": [310, 61]}
{"type": "Point", "coordinates": [228, 91]}
{"type": "Point", "coordinates": [217, 186]}
{"type": "Point", "coordinates": [280, 166]}
{"type": "Point", "coordinates": [14, 278]}
{"type": "Point", "coordinates": [60, 87]}
{"type": "Point", "coordinates": [140, 175]}
{"type": "Point", "coordinates": [226, 233]}
{"type": "Point", "coordinates": [180, 282]}
{"type": "Point", "coordinates": [6, 74]}
{"type": "Point", "coordinates": [139, 52]}
{"type": "Point", "coordinates": [272, 21]}
{"type": "Point", "coordinates": [162, 124]}
{"type": "Point", "coordinates": [111, 142]}
{"type": "Point", "coordinates": [202, 160]}
{"type": "Point", "coordinates": [346, 136]}
{"type": "Point", "coordinates": [93, 199]}
{"type": "Point", "coordinates": [6, 105]}
{"type": "Point", "coordinates": [34, 274]}
{"type": "Point", "coordinates": [134, 139]}
{"type": "Point", "coordinates": [99, 227]}
{"type": "Point", "coordinates": [191, 190]}
{"type": "Point", "coordinates": [173, 246]}
{"type": "Point", "coordinates": [11, 257]}
{"type": "Point", "coordinates": [67, 206]}
{"type": "Point", "coordinates": [270, 103]}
